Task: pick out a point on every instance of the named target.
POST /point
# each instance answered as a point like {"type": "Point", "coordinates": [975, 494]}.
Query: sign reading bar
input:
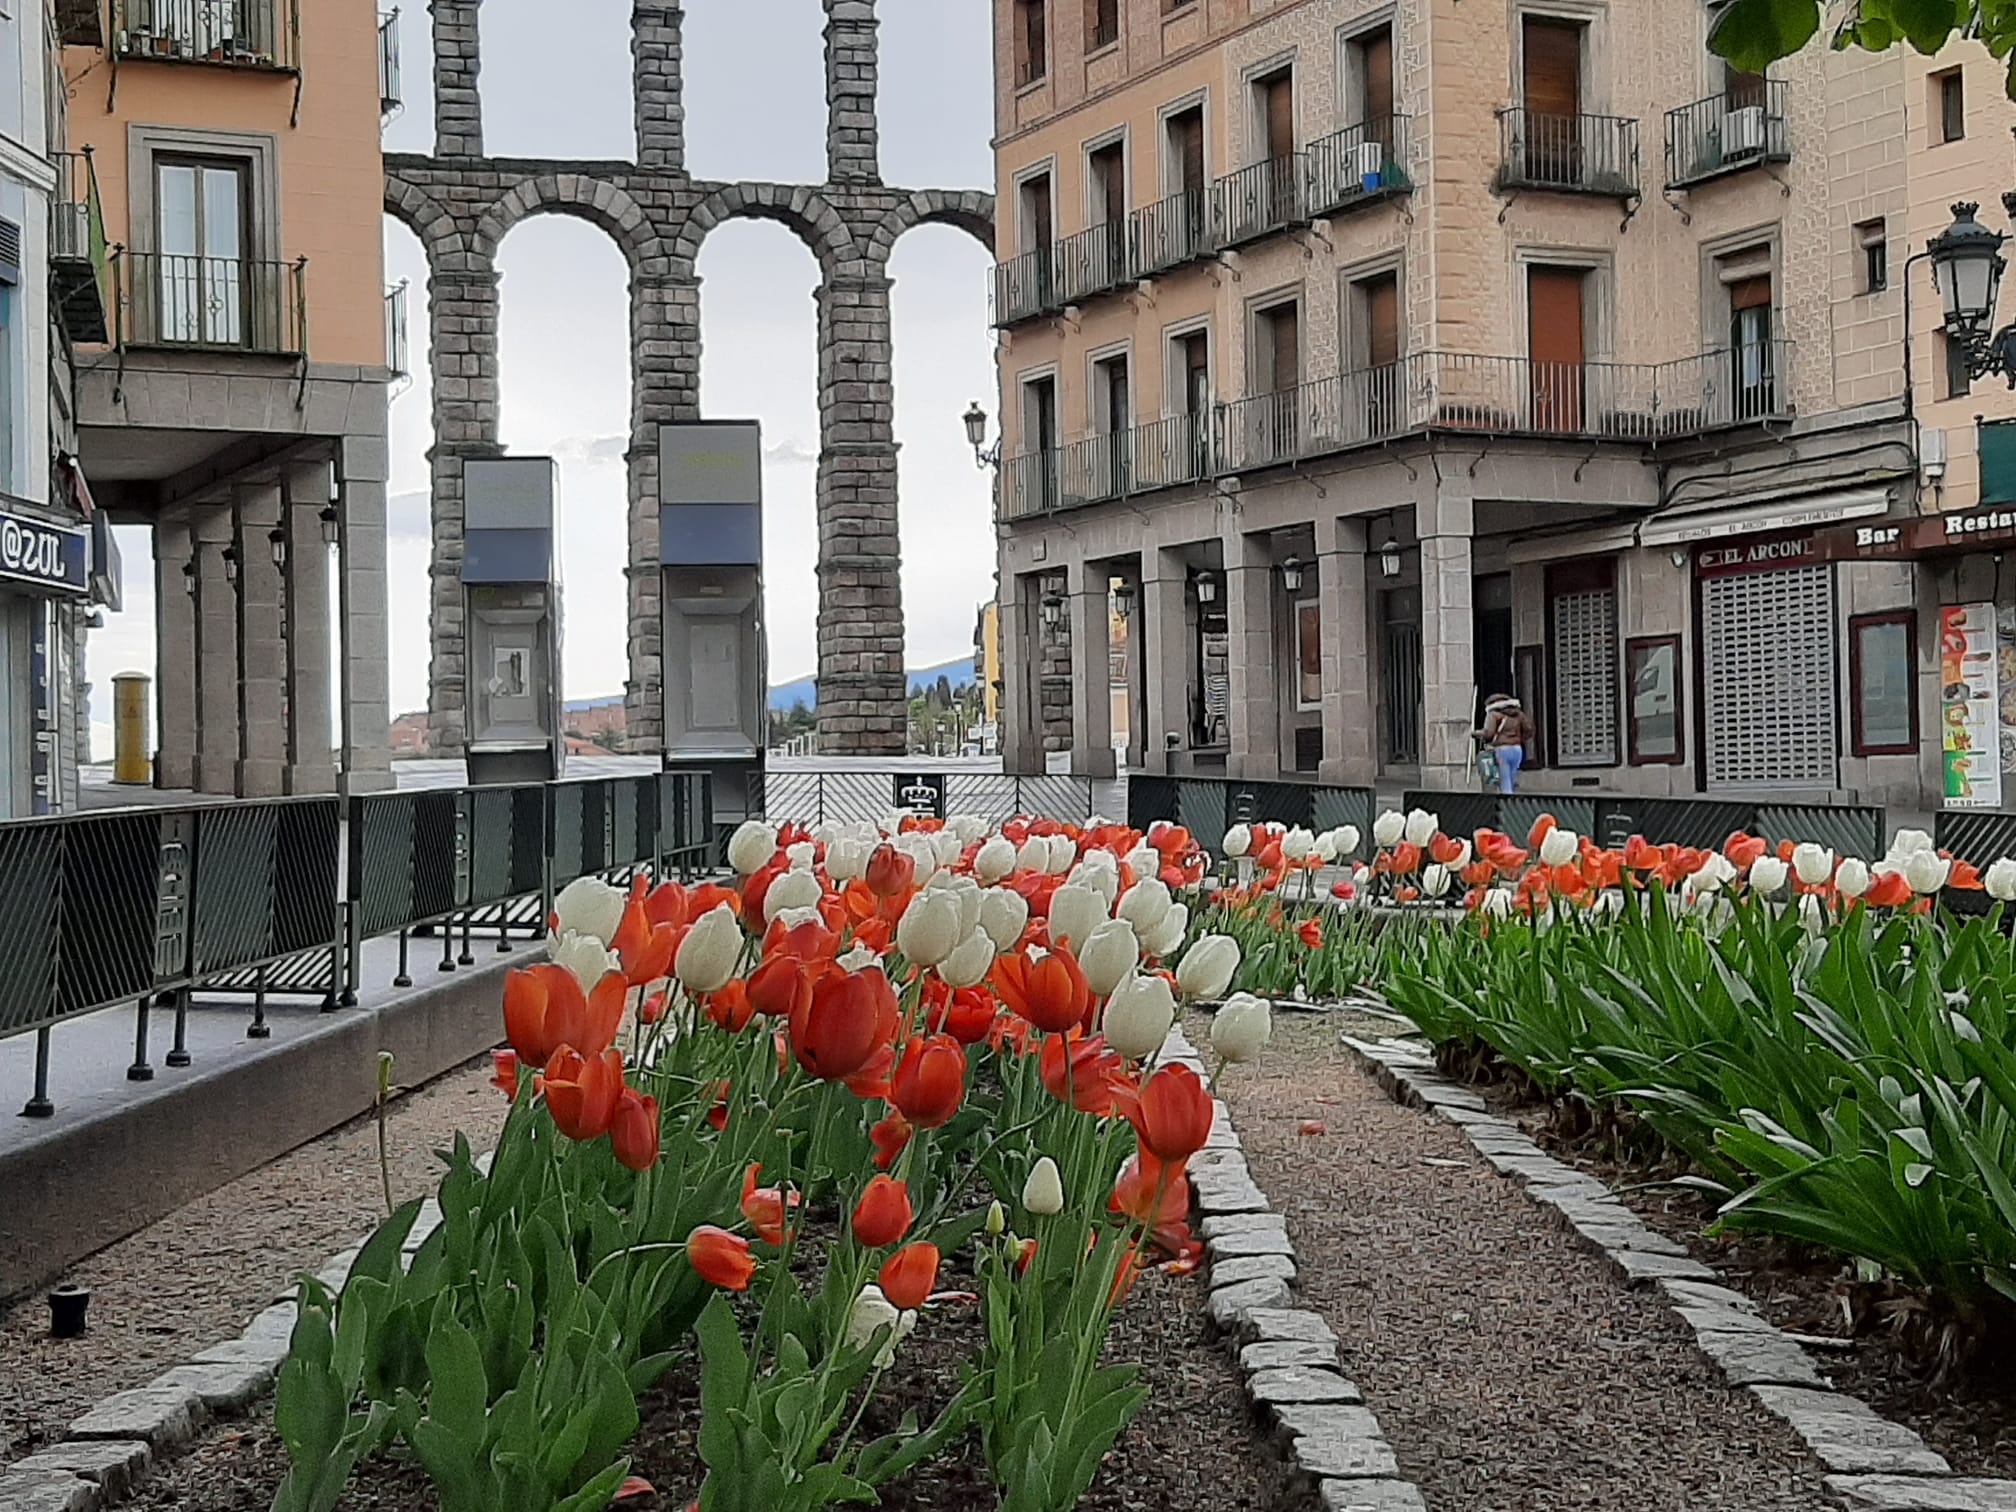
{"type": "Point", "coordinates": [1985, 529]}
{"type": "Point", "coordinates": [50, 556]}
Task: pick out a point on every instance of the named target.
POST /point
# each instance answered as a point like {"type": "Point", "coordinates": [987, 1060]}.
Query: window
{"type": "Point", "coordinates": [1106, 182]}
{"type": "Point", "coordinates": [1032, 41]}
{"type": "Point", "coordinates": [1368, 66]}
{"type": "Point", "coordinates": [1959, 381]}
{"type": "Point", "coordinates": [1308, 654]}
{"type": "Point", "coordinates": [1752, 316]}
{"type": "Point", "coordinates": [1274, 113]}
{"type": "Point", "coordinates": [1277, 347]}
{"type": "Point", "coordinates": [1183, 165]}
{"type": "Point", "coordinates": [1873, 242]}
{"type": "Point", "coordinates": [1372, 305]}
{"type": "Point", "coordinates": [1949, 106]}
{"type": "Point", "coordinates": [200, 251]}
{"type": "Point", "coordinates": [1582, 637]}
{"type": "Point", "coordinates": [7, 388]}
{"type": "Point", "coordinates": [1102, 23]}
{"type": "Point", "coordinates": [1883, 679]}
{"type": "Point", "coordinates": [1036, 224]}
{"type": "Point", "coordinates": [1111, 409]}
{"type": "Point", "coordinates": [1652, 676]}
{"type": "Point", "coordinates": [1039, 440]}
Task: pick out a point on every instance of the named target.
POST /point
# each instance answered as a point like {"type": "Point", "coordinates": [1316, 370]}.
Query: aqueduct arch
{"type": "Point", "coordinates": [461, 202]}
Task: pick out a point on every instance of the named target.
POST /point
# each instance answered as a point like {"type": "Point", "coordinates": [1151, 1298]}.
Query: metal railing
{"type": "Point", "coordinates": [1026, 287]}
{"type": "Point", "coordinates": [1849, 829]}
{"type": "Point", "coordinates": [1577, 154]}
{"type": "Point", "coordinates": [1094, 261]}
{"type": "Point", "coordinates": [868, 797]}
{"type": "Point", "coordinates": [79, 259]}
{"type": "Point", "coordinates": [1208, 806]}
{"type": "Point", "coordinates": [1358, 164]}
{"type": "Point", "coordinates": [1177, 230]}
{"type": "Point", "coordinates": [391, 91]}
{"type": "Point", "coordinates": [398, 346]}
{"type": "Point", "coordinates": [1735, 129]}
{"type": "Point", "coordinates": [235, 33]}
{"type": "Point", "coordinates": [1260, 200]}
{"type": "Point", "coordinates": [215, 302]}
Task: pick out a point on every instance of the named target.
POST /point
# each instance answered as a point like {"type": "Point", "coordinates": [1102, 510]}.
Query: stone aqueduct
{"type": "Point", "coordinates": [461, 203]}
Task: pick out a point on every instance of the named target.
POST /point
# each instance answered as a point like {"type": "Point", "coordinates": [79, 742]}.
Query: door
{"type": "Point", "coordinates": [1400, 677]}
{"type": "Point", "coordinates": [1552, 75]}
{"type": "Point", "coordinates": [1115, 409]}
{"type": "Point", "coordinates": [1379, 303]}
{"type": "Point", "coordinates": [1281, 177]}
{"type": "Point", "coordinates": [1196, 390]}
{"type": "Point", "coordinates": [1039, 432]}
{"type": "Point", "coordinates": [1555, 347]}
{"type": "Point", "coordinates": [1278, 333]}
{"type": "Point", "coordinates": [1109, 215]}
{"type": "Point", "coordinates": [200, 246]}
{"type": "Point", "coordinates": [1767, 679]}
{"type": "Point", "coordinates": [1375, 84]}
{"type": "Point", "coordinates": [1750, 351]}
{"type": "Point", "coordinates": [1492, 639]}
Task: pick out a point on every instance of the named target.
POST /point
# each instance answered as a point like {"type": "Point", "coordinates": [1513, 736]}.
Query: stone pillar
{"type": "Point", "coordinates": [311, 766]}
{"type": "Point", "coordinates": [263, 652]}
{"type": "Point", "coordinates": [458, 108]}
{"type": "Point", "coordinates": [1021, 737]}
{"type": "Point", "coordinates": [862, 688]}
{"type": "Point", "coordinates": [851, 145]}
{"type": "Point", "coordinates": [656, 57]}
{"type": "Point", "coordinates": [174, 655]}
{"type": "Point", "coordinates": [1165, 658]}
{"type": "Point", "coordinates": [1348, 754]}
{"type": "Point", "coordinates": [1252, 666]}
{"type": "Point", "coordinates": [463, 322]}
{"type": "Point", "coordinates": [665, 386]}
{"type": "Point", "coordinates": [364, 612]}
{"type": "Point", "coordinates": [1092, 656]}
{"type": "Point", "coordinates": [216, 620]}
{"type": "Point", "coordinates": [1448, 658]}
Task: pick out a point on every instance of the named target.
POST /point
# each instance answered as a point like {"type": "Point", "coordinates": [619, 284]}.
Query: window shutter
{"type": "Point", "coordinates": [1767, 677]}
{"type": "Point", "coordinates": [10, 252]}
{"type": "Point", "coordinates": [1554, 314]}
{"type": "Point", "coordinates": [1553, 66]}
{"type": "Point", "coordinates": [1751, 293]}
{"type": "Point", "coordinates": [1382, 320]}
{"type": "Point", "coordinates": [1281, 115]}
{"type": "Point", "coordinates": [1585, 677]}
{"type": "Point", "coordinates": [1375, 59]}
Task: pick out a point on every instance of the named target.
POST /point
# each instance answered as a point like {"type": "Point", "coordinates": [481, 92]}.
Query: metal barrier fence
{"type": "Point", "coordinates": [1847, 829]}
{"type": "Point", "coordinates": [1208, 806]}
{"type": "Point", "coordinates": [1978, 836]}
{"type": "Point", "coordinates": [868, 797]}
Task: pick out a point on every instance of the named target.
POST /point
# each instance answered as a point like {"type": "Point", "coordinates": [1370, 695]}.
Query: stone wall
{"type": "Point", "coordinates": [461, 203]}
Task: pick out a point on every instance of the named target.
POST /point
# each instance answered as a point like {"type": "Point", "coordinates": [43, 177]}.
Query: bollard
{"type": "Point", "coordinates": [130, 762]}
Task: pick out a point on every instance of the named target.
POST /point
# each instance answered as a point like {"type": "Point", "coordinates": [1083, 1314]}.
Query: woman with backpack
{"type": "Point", "coordinates": [1506, 731]}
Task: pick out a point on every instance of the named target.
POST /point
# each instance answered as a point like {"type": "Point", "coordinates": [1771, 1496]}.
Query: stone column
{"type": "Point", "coordinates": [1448, 657]}
{"type": "Point", "coordinates": [263, 652]}
{"type": "Point", "coordinates": [311, 766]}
{"type": "Point", "coordinates": [1165, 658]}
{"type": "Point", "coordinates": [665, 386]}
{"type": "Point", "coordinates": [1253, 667]}
{"type": "Point", "coordinates": [1092, 658]}
{"type": "Point", "coordinates": [463, 321]}
{"type": "Point", "coordinates": [216, 620]}
{"type": "Point", "coordinates": [656, 56]}
{"type": "Point", "coordinates": [862, 689]}
{"type": "Point", "coordinates": [1021, 736]}
{"type": "Point", "coordinates": [851, 146]}
{"type": "Point", "coordinates": [458, 108]}
{"type": "Point", "coordinates": [174, 655]}
{"type": "Point", "coordinates": [1348, 756]}
{"type": "Point", "coordinates": [363, 611]}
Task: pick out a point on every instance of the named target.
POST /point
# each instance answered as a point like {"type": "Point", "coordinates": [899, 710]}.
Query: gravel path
{"type": "Point", "coordinates": [199, 1274]}
{"type": "Point", "coordinates": [1510, 1372]}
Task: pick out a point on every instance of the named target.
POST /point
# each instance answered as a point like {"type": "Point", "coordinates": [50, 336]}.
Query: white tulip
{"type": "Point", "coordinates": [2000, 880]}
{"type": "Point", "coordinates": [795, 889]}
{"type": "Point", "coordinates": [970, 961]}
{"type": "Point", "coordinates": [1462, 858]}
{"type": "Point", "coordinates": [1347, 841]}
{"type": "Point", "coordinates": [751, 846]}
{"type": "Point", "coordinates": [1043, 1192]}
{"type": "Point", "coordinates": [1812, 864]}
{"type": "Point", "coordinates": [707, 956]}
{"type": "Point", "coordinates": [1435, 879]}
{"type": "Point", "coordinates": [1144, 861]}
{"type": "Point", "coordinates": [847, 856]}
{"type": "Point", "coordinates": [1033, 855]}
{"type": "Point", "coordinates": [860, 958]}
{"type": "Point", "coordinates": [872, 1311]}
{"type": "Point", "coordinates": [1715, 871]}
{"type": "Point", "coordinates": [1812, 913]}
{"type": "Point", "coordinates": [948, 846]}
{"type": "Point", "coordinates": [1767, 875]}
{"type": "Point", "coordinates": [1240, 1030]}
{"type": "Point", "coordinates": [929, 927]}
{"type": "Point", "coordinates": [1909, 842]}
{"type": "Point", "coordinates": [791, 918]}
{"type": "Point", "coordinates": [1138, 1018]}
{"type": "Point", "coordinates": [1606, 905]}
{"type": "Point", "coordinates": [1559, 846]}
{"type": "Point", "coordinates": [1100, 872]}
{"type": "Point", "coordinates": [1926, 871]}
{"type": "Point", "coordinates": [1063, 851]}
{"type": "Point", "coordinates": [994, 860]}
{"type": "Point", "coordinates": [1238, 841]}
{"type": "Point", "coordinates": [1388, 829]}
{"type": "Point", "coordinates": [1075, 911]}
{"type": "Point", "coordinates": [1326, 847]}
{"type": "Point", "coordinates": [1297, 845]}
{"type": "Point", "coordinates": [922, 849]}
{"type": "Point", "coordinates": [1144, 905]}
{"type": "Point", "coordinates": [1208, 966]}
{"type": "Point", "coordinates": [1004, 914]}
{"type": "Point", "coordinates": [1496, 904]}
{"type": "Point", "coordinates": [1421, 826]}
{"type": "Point", "coordinates": [801, 855]}
{"type": "Point", "coordinates": [1168, 936]}
{"type": "Point", "coordinates": [1853, 879]}
{"type": "Point", "coordinates": [590, 906]}
{"type": "Point", "coordinates": [587, 957]}
{"type": "Point", "coordinates": [967, 891]}
{"type": "Point", "coordinates": [970, 828]}
{"type": "Point", "coordinates": [1109, 953]}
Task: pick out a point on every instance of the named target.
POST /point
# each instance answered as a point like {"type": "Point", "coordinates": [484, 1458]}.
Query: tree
{"type": "Point", "coordinates": [1754, 33]}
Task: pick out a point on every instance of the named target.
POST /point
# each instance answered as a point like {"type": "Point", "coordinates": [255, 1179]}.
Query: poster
{"type": "Point", "coordinates": [1970, 706]}
{"type": "Point", "coordinates": [2005, 664]}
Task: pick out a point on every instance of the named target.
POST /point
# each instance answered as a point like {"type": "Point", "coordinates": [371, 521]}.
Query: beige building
{"type": "Point", "coordinates": [1376, 358]}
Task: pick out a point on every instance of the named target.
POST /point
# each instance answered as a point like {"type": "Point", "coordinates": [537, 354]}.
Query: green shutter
{"type": "Point", "coordinates": [1998, 462]}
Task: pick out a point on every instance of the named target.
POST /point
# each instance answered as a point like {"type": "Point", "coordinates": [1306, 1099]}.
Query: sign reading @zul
{"type": "Point", "coordinates": [49, 556]}
{"type": "Point", "coordinates": [923, 793]}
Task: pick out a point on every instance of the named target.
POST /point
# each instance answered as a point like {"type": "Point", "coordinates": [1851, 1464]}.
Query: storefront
{"type": "Point", "coordinates": [44, 577]}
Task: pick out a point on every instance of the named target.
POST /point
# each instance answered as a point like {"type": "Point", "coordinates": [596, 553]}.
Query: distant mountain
{"type": "Point", "coordinates": [805, 689]}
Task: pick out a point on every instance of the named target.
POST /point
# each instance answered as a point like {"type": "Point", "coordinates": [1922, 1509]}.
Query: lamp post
{"type": "Point", "coordinates": [1291, 575]}
{"type": "Point", "coordinates": [984, 456]}
{"type": "Point", "coordinates": [1389, 558]}
{"type": "Point", "coordinates": [1967, 269]}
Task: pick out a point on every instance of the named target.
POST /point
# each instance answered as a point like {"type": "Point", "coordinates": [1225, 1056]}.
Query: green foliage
{"type": "Point", "coordinates": [1754, 33]}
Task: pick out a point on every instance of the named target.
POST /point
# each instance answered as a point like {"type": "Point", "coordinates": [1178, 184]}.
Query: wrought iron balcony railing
{"type": "Point", "coordinates": [1026, 287]}
{"type": "Point", "coordinates": [398, 347]}
{"type": "Point", "coordinates": [219, 303]}
{"type": "Point", "coordinates": [1177, 230]}
{"type": "Point", "coordinates": [1092, 262]}
{"type": "Point", "coordinates": [1260, 200]}
{"type": "Point", "coordinates": [234, 33]}
{"type": "Point", "coordinates": [80, 275]}
{"type": "Point", "coordinates": [1739, 128]}
{"type": "Point", "coordinates": [1358, 164]}
{"type": "Point", "coordinates": [1574, 154]}
{"type": "Point", "coordinates": [391, 92]}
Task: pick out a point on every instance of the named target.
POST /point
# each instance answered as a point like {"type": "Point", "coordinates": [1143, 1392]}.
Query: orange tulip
{"type": "Point", "coordinates": [1543, 826]}
{"type": "Point", "coordinates": [930, 1081]}
{"type": "Point", "coordinates": [1964, 877]}
{"type": "Point", "coordinates": [1641, 855]}
{"type": "Point", "coordinates": [730, 1007]}
{"type": "Point", "coordinates": [582, 1091]}
{"type": "Point", "coordinates": [889, 1135]}
{"type": "Point", "coordinates": [836, 1027]}
{"type": "Point", "coordinates": [1049, 992]}
{"type": "Point", "coordinates": [1083, 1073]}
{"type": "Point", "coordinates": [545, 1008]}
{"type": "Point", "coordinates": [765, 1207]}
{"type": "Point", "coordinates": [810, 942]}
{"type": "Point", "coordinates": [504, 1072]}
{"type": "Point", "coordinates": [708, 896]}
{"type": "Point", "coordinates": [1889, 891]}
{"type": "Point", "coordinates": [908, 1276]}
{"type": "Point", "coordinates": [965, 1013]}
{"type": "Point", "coordinates": [1151, 1191]}
{"type": "Point", "coordinates": [633, 1132]}
{"type": "Point", "coordinates": [717, 1116]}
{"type": "Point", "coordinates": [668, 903]}
{"type": "Point", "coordinates": [780, 987]}
{"type": "Point", "coordinates": [720, 1258]}
{"type": "Point", "coordinates": [644, 949]}
{"type": "Point", "coordinates": [883, 1215]}
{"type": "Point", "coordinates": [890, 872]}
{"type": "Point", "coordinates": [1172, 1114]}
{"type": "Point", "coordinates": [1443, 849]}
{"type": "Point", "coordinates": [1311, 933]}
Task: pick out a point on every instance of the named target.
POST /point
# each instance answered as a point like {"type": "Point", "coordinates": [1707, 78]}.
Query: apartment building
{"type": "Point", "coordinates": [234, 397]}
{"type": "Point", "coordinates": [1375, 358]}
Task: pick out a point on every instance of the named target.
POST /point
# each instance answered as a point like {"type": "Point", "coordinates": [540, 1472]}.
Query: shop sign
{"type": "Point", "coordinates": [922, 793]}
{"type": "Point", "coordinates": [1931, 535]}
{"type": "Point", "coordinates": [1969, 703]}
{"type": "Point", "coordinates": [1757, 556]}
{"type": "Point", "coordinates": [54, 557]}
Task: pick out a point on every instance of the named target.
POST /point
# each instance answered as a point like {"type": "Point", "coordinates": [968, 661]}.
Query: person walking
{"type": "Point", "coordinates": [1506, 731]}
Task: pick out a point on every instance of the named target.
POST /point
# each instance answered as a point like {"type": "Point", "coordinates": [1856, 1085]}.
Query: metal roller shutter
{"type": "Point", "coordinates": [1767, 675]}
{"type": "Point", "coordinates": [1585, 678]}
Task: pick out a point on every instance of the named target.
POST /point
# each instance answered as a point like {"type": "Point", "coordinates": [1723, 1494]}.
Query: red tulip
{"type": "Point", "coordinates": [717, 1116]}
{"type": "Point", "coordinates": [582, 1091]}
{"type": "Point", "coordinates": [730, 1007]}
{"type": "Point", "coordinates": [1443, 849]}
{"type": "Point", "coordinates": [835, 1030]}
{"type": "Point", "coordinates": [780, 987]}
{"type": "Point", "coordinates": [652, 1008]}
{"type": "Point", "coordinates": [1089, 1080]}
{"type": "Point", "coordinates": [965, 1013]}
{"type": "Point", "coordinates": [1311, 933]}
{"type": "Point", "coordinates": [1049, 991]}
{"type": "Point", "coordinates": [811, 942]}
{"type": "Point", "coordinates": [1172, 1114]}
{"type": "Point", "coordinates": [720, 1258]}
{"type": "Point", "coordinates": [504, 1072]}
{"type": "Point", "coordinates": [545, 1008]}
{"type": "Point", "coordinates": [890, 872]}
{"type": "Point", "coordinates": [765, 1207]}
{"type": "Point", "coordinates": [883, 1215]}
{"type": "Point", "coordinates": [930, 1081]}
{"type": "Point", "coordinates": [1153, 1192]}
{"type": "Point", "coordinates": [889, 1136]}
{"type": "Point", "coordinates": [1543, 826]}
{"type": "Point", "coordinates": [908, 1276]}
{"type": "Point", "coordinates": [633, 1132]}
{"type": "Point", "coordinates": [644, 949]}
{"type": "Point", "coordinates": [1742, 849]}
{"type": "Point", "coordinates": [708, 896]}
{"type": "Point", "coordinates": [668, 903]}
{"type": "Point", "coordinates": [871, 1082]}
{"type": "Point", "coordinates": [1888, 891]}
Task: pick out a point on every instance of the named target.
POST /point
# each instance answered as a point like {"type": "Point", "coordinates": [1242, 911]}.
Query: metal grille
{"type": "Point", "coordinates": [1677, 821]}
{"type": "Point", "coordinates": [1459, 813]}
{"type": "Point", "coordinates": [1516, 816]}
{"type": "Point", "coordinates": [1054, 797]}
{"type": "Point", "coordinates": [1848, 831]}
{"type": "Point", "coordinates": [304, 876]}
{"type": "Point", "coordinates": [566, 818]}
{"type": "Point", "coordinates": [1585, 678]}
{"type": "Point", "coordinates": [440, 857]}
{"type": "Point", "coordinates": [1332, 806]}
{"type": "Point", "coordinates": [1400, 679]}
{"type": "Point", "coordinates": [1767, 670]}
{"type": "Point", "coordinates": [234, 888]}
{"type": "Point", "coordinates": [381, 861]}
{"type": "Point", "coordinates": [1270, 803]}
{"type": "Point", "coordinates": [109, 873]}
{"type": "Point", "coordinates": [30, 894]}
{"type": "Point", "coordinates": [1200, 807]}
{"type": "Point", "coordinates": [1149, 799]}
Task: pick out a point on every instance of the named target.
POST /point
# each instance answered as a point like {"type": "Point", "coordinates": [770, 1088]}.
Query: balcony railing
{"type": "Point", "coordinates": [1176, 230]}
{"type": "Point", "coordinates": [1026, 287]}
{"type": "Point", "coordinates": [1574, 154]}
{"type": "Point", "coordinates": [391, 93]}
{"type": "Point", "coordinates": [1360, 163]}
{"type": "Point", "coordinates": [235, 33]}
{"type": "Point", "coordinates": [398, 348]}
{"type": "Point", "coordinates": [217, 303]}
{"type": "Point", "coordinates": [1263, 199]}
{"type": "Point", "coordinates": [1092, 262]}
{"type": "Point", "coordinates": [1630, 402]}
{"type": "Point", "coordinates": [1737, 129]}
{"type": "Point", "coordinates": [79, 261]}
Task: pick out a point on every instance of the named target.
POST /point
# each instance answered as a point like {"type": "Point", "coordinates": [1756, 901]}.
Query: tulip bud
{"type": "Point", "coordinates": [1075, 911]}
{"type": "Point", "coordinates": [584, 955]}
{"type": "Point", "coordinates": [873, 1311]}
{"type": "Point", "coordinates": [1999, 881]}
{"type": "Point", "coordinates": [1168, 936]}
{"type": "Point", "coordinates": [1034, 855]}
{"type": "Point", "coordinates": [1238, 841]}
{"type": "Point", "coordinates": [707, 956]}
{"type": "Point", "coordinates": [1812, 913]}
{"type": "Point", "coordinates": [967, 891]}
{"type": "Point", "coordinates": [1767, 875]}
{"type": "Point", "coordinates": [945, 847]}
{"type": "Point", "coordinates": [590, 907]}
{"type": "Point", "coordinates": [997, 1219]}
{"type": "Point", "coordinates": [1145, 906]}
{"type": "Point", "coordinates": [800, 856]}
{"type": "Point", "coordinates": [1326, 847]}
{"type": "Point", "coordinates": [1004, 915]}
{"type": "Point", "coordinates": [1241, 1028]}
{"type": "Point", "coordinates": [1852, 878]}
{"type": "Point", "coordinates": [1104, 880]}
{"type": "Point", "coordinates": [968, 827]}
{"type": "Point", "coordinates": [1138, 1018]}
{"type": "Point", "coordinates": [922, 849]}
{"type": "Point", "coordinates": [1208, 966]}
{"type": "Point", "coordinates": [1926, 871]}
{"type": "Point", "coordinates": [1388, 829]}
{"type": "Point", "coordinates": [929, 927]}
{"type": "Point", "coordinates": [970, 961]}
{"type": "Point", "coordinates": [1109, 953]}
{"type": "Point", "coordinates": [1435, 880]}
{"type": "Point", "coordinates": [1144, 861]}
{"type": "Point", "coordinates": [1063, 851]}
{"type": "Point", "coordinates": [1298, 844]}
{"type": "Point", "coordinates": [1347, 841]}
{"type": "Point", "coordinates": [1462, 857]}
{"type": "Point", "coordinates": [1909, 842]}
{"type": "Point", "coordinates": [994, 860]}
{"type": "Point", "coordinates": [1421, 827]}
{"type": "Point", "coordinates": [751, 846]}
{"type": "Point", "coordinates": [1812, 864]}
{"type": "Point", "coordinates": [795, 889]}
{"type": "Point", "coordinates": [1496, 904]}
{"type": "Point", "coordinates": [1559, 847]}
{"type": "Point", "coordinates": [847, 857]}
{"type": "Point", "coordinates": [1043, 1192]}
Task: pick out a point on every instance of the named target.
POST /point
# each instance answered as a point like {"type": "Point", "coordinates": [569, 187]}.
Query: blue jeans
{"type": "Point", "coordinates": [1509, 760]}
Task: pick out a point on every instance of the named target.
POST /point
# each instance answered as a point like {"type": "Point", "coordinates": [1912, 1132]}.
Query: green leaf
{"type": "Point", "coordinates": [1752, 34]}
{"type": "Point", "coordinates": [460, 1397]}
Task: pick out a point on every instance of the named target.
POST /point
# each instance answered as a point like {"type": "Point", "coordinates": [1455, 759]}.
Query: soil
{"type": "Point", "coordinates": [1508, 1369]}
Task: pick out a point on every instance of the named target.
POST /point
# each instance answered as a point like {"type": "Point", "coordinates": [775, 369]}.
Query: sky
{"type": "Point", "coordinates": [755, 110]}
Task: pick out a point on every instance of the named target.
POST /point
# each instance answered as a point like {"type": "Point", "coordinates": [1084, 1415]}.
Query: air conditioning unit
{"type": "Point", "coordinates": [1370, 160]}
{"type": "Point", "coordinates": [1743, 131]}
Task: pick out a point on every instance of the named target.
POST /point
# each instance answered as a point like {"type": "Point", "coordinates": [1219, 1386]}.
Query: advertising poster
{"type": "Point", "coordinates": [1970, 705]}
{"type": "Point", "coordinates": [2005, 666]}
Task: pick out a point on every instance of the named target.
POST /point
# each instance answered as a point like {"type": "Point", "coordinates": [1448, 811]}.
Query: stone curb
{"type": "Point", "coordinates": [1874, 1465]}
{"type": "Point", "coordinates": [1287, 1355]}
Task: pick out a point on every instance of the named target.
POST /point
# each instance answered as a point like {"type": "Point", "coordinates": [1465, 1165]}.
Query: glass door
{"type": "Point", "coordinates": [203, 283]}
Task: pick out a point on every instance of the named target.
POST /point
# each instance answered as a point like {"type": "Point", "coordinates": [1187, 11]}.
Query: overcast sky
{"type": "Point", "coordinates": [755, 109]}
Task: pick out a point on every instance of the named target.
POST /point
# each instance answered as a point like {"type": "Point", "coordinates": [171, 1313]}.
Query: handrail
{"type": "Point", "coordinates": [229, 303]}
{"type": "Point", "coordinates": [391, 92]}
{"type": "Point", "coordinates": [229, 33]}
{"type": "Point", "coordinates": [1576, 154]}
{"type": "Point", "coordinates": [1739, 128]}
{"type": "Point", "coordinates": [1361, 162]}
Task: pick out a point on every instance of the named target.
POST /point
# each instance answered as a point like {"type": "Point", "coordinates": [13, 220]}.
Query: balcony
{"type": "Point", "coordinates": [398, 345]}
{"type": "Point", "coordinates": [1570, 154]}
{"type": "Point", "coordinates": [1176, 231]}
{"type": "Point", "coordinates": [255, 34]}
{"type": "Point", "coordinates": [1426, 391]}
{"type": "Point", "coordinates": [1026, 287]}
{"type": "Point", "coordinates": [391, 95]}
{"type": "Point", "coordinates": [1726, 133]}
{"type": "Point", "coordinates": [80, 23]}
{"type": "Point", "coordinates": [80, 282]}
{"type": "Point", "coordinates": [1095, 261]}
{"type": "Point", "coordinates": [212, 303]}
{"type": "Point", "coordinates": [1256, 202]}
{"type": "Point", "coordinates": [1358, 165]}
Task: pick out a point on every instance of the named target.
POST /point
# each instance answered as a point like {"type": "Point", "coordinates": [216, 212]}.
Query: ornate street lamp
{"type": "Point", "coordinates": [976, 433]}
{"type": "Point", "coordinates": [1291, 575]}
{"type": "Point", "coordinates": [1053, 610]}
{"type": "Point", "coordinates": [1207, 588]}
{"type": "Point", "coordinates": [1967, 268]}
{"type": "Point", "coordinates": [1389, 558]}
